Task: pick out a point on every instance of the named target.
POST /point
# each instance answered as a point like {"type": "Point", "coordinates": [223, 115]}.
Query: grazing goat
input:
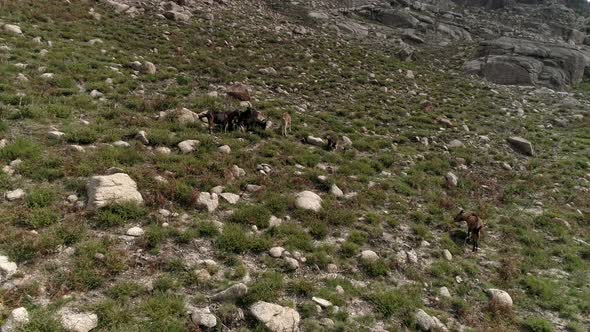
{"type": "Point", "coordinates": [251, 119]}
{"type": "Point", "coordinates": [286, 124]}
{"type": "Point", "coordinates": [332, 142]}
{"type": "Point", "coordinates": [225, 119]}
{"type": "Point", "coordinates": [474, 227]}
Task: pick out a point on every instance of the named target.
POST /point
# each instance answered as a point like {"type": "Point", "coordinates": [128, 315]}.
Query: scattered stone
{"type": "Point", "coordinates": [455, 144]}
{"type": "Point", "coordinates": [334, 190]}
{"type": "Point", "coordinates": [339, 290]}
{"type": "Point", "coordinates": [163, 150]}
{"type": "Point", "coordinates": [369, 256]}
{"type": "Point", "coordinates": [299, 30]}
{"type": "Point", "coordinates": [238, 91]}
{"type": "Point", "coordinates": [76, 148]}
{"type": "Point", "coordinates": [276, 252]}
{"type": "Point", "coordinates": [274, 221]}
{"type": "Point", "coordinates": [78, 322]}
{"type": "Point", "coordinates": [315, 141]}
{"type": "Point", "coordinates": [7, 267]}
{"type": "Point", "coordinates": [135, 231]}
{"type": "Point", "coordinates": [428, 323]}
{"type": "Point", "coordinates": [11, 28]}
{"type": "Point", "coordinates": [232, 293]}
{"type": "Point", "coordinates": [451, 179]}
{"type": "Point", "coordinates": [111, 189]}
{"type": "Point", "coordinates": [447, 254]}
{"type": "Point", "coordinates": [252, 188]}
{"type": "Point", "coordinates": [142, 137]}
{"type": "Point", "coordinates": [188, 146]}
{"type": "Point", "coordinates": [308, 200]}
{"type": "Point", "coordinates": [208, 201]}
{"type": "Point", "coordinates": [500, 297]}
{"type": "Point", "coordinates": [121, 144]}
{"type": "Point", "coordinates": [332, 268]}
{"type": "Point", "coordinates": [225, 149]}
{"type": "Point", "coordinates": [230, 198]}
{"type": "Point", "coordinates": [54, 134]}
{"type": "Point", "coordinates": [148, 68]}
{"type": "Point", "coordinates": [292, 263]}
{"type": "Point", "coordinates": [72, 198]}
{"type": "Point", "coordinates": [96, 94]}
{"type": "Point", "coordinates": [346, 142]}
{"type": "Point", "coordinates": [237, 172]}
{"type": "Point", "coordinates": [217, 190]}
{"type": "Point", "coordinates": [275, 317]}
{"type": "Point", "coordinates": [14, 195]}
{"type": "Point", "coordinates": [522, 145]}
{"type": "Point", "coordinates": [18, 318]}
{"type": "Point", "coordinates": [203, 317]}
{"type": "Point", "coordinates": [323, 303]}
{"type": "Point", "coordinates": [444, 292]}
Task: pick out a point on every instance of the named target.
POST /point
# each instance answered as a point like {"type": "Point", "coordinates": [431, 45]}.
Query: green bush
{"type": "Point", "coordinates": [119, 214]}
{"type": "Point", "coordinates": [251, 215]}
{"type": "Point", "coordinates": [538, 325]}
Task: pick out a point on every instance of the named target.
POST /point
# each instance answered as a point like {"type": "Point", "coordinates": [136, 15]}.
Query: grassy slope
{"type": "Point", "coordinates": [333, 79]}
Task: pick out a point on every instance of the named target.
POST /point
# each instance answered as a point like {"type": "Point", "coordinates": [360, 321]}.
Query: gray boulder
{"type": "Point", "coordinates": [275, 317]}
{"type": "Point", "coordinates": [522, 145]}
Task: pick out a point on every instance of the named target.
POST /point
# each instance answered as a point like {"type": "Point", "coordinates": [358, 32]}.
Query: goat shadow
{"type": "Point", "coordinates": [458, 236]}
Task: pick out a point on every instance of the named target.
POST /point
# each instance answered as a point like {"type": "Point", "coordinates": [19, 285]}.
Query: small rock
{"type": "Point", "coordinates": [315, 141]}
{"type": "Point", "coordinates": [78, 322]}
{"type": "Point", "coordinates": [135, 231]}
{"type": "Point", "coordinates": [225, 149]}
{"type": "Point", "coordinates": [148, 68]}
{"type": "Point", "coordinates": [444, 292]}
{"type": "Point", "coordinates": [292, 263]}
{"type": "Point", "coordinates": [275, 317]}
{"type": "Point", "coordinates": [451, 179]}
{"type": "Point", "coordinates": [142, 137]}
{"type": "Point", "coordinates": [369, 256]}
{"type": "Point", "coordinates": [274, 221]}
{"type": "Point", "coordinates": [188, 146]}
{"type": "Point", "coordinates": [332, 268]}
{"type": "Point", "coordinates": [339, 290]}
{"type": "Point", "coordinates": [72, 198]}
{"type": "Point", "coordinates": [455, 144]}
{"type": "Point", "coordinates": [121, 144]}
{"type": "Point", "coordinates": [217, 190]}
{"type": "Point", "coordinates": [252, 188]}
{"type": "Point", "coordinates": [7, 267]}
{"type": "Point", "coordinates": [334, 190]}
{"type": "Point", "coordinates": [230, 198]}
{"type": "Point", "coordinates": [232, 293]}
{"type": "Point", "coordinates": [500, 297]}
{"type": "Point", "coordinates": [96, 94]}
{"type": "Point", "coordinates": [54, 134]}
{"type": "Point", "coordinates": [111, 189]}
{"type": "Point", "coordinates": [14, 195]}
{"type": "Point", "coordinates": [12, 29]}
{"type": "Point", "coordinates": [18, 318]}
{"type": "Point", "coordinates": [522, 145]}
{"type": "Point", "coordinates": [308, 200]}
{"type": "Point", "coordinates": [276, 252]}
{"type": "Point", "coordinates": [237, 172]}
{"type": "Point", "coordinates": [208, 201]}
{"type": "Point", "coordinates": [203, 317]}
{"type": "Point", "coordinates": [323, 303]}
{"type": "Point", "coordinates": [447, 254]}
{"type": "Point", "coordinates": [163, 150]}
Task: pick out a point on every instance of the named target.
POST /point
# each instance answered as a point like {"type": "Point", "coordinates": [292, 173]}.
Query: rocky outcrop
{"type": "Point", "coordinates": [524, 62]}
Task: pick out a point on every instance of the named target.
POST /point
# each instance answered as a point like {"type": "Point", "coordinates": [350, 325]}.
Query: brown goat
{"type": "Point", "coordinates": [474, 227]}
{"type": "Point", "coordinates": [286, 124]}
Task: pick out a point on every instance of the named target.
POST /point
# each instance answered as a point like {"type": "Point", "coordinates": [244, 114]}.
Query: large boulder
{"type": "Point", "coordinates": [500, 298]}
{"type": "Point", "coordinates": [275, 317]}
{"type": "Point", "coordinates": [181, 115]}
{"type": "Point", "coordinates": [112, 189]}
{"type": "Point", "coordinates": [525, 62]}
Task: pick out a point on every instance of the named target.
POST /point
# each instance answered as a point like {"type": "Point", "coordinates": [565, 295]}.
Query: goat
{"type": "Point", "coordinates": [474, 227]}
{"type": "Point", "coordinates": [332, 144]}
{"type": "Point", "coordinates": [251, 119]}
{"type": "Point", "coordinates": [286, 124]}
{"type": "Point", "coordinates": [225, 119]}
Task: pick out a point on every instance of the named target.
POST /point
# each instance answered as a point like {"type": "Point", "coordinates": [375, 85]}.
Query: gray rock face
{"type": "Point", "coordinates": [524, 62]}
{"type": "Point", "coordinates": [110, 189]}
{"type": "Point", "coordinates": [275, 317]}
{"type": "Point", "coordinates": [522, 145]}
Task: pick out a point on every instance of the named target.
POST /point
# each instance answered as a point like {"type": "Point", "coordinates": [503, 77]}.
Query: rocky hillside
{"type": "Point", "coordinates": [121, 212]}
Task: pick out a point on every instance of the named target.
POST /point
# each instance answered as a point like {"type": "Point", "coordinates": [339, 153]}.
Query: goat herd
{"type": "Point", "coordinates": [252, 119]}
